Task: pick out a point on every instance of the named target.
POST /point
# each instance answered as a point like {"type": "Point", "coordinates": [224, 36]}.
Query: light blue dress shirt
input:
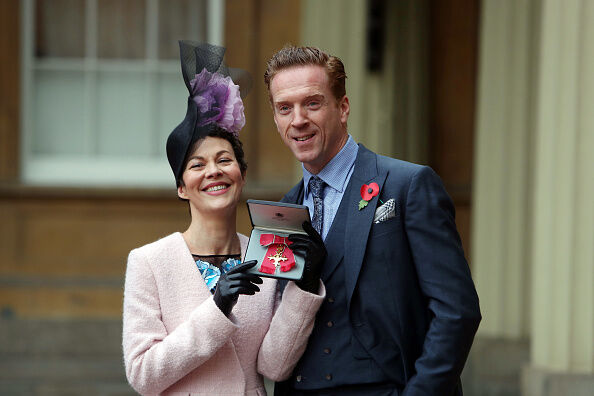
{"type": "Point", "coordinates": [336, 174]}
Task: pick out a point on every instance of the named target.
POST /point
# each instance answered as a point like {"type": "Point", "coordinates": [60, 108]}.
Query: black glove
{"type": "Point", "coordinates": [234, 283]}
{"type": "Point", "coordinates": [312, 247]}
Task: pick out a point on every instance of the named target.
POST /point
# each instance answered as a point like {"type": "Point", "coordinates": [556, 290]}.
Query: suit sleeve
{"type": "Point", "coordinates": [445, 280]}
{"type": "Point", "coordinates": [289, 331]}
{"type": "Point", "coordinates": [154, 358]}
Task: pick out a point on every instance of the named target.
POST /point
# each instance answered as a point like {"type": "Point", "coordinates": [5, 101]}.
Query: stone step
{"type": "Point", "coordinates": [56, 388]}
{"type": "Point", "coordinates": [51, 357]}
{"type": "Point", "coordinates": [61, 369]}
{"type": "Point", "coordinates": [60, 337]}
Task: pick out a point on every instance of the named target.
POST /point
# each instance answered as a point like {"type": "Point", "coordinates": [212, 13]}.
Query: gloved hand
{"type": "Point", "coordinates": [234, 283]}
{"type": "Point", "coordinates": [312, 247]}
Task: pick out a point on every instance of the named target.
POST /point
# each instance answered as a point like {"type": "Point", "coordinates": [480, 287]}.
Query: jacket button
{"type": "Point", "coordinates": [327, 351]}
{"type": "Point", "coordinates": [298, 378]}
{"type": "Point", "coordinates": [328, 377]}
{"type": "Point", "coordinates": [329, 324]}
{"type": "Point", "coordinates": [330, 300]}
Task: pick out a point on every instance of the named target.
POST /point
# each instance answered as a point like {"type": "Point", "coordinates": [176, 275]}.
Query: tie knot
{"type": "Point", "coordinates": [316, 186]}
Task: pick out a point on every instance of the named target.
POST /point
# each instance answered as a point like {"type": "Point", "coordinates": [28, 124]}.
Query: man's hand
{"type": "Point", "coordinates": [312, 247]}
{"type": "Point", "coordinates": [234, 283]}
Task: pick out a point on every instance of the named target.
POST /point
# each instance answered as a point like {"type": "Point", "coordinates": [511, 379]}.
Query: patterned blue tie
{"type": "Point", "coordinates": [316, 186]}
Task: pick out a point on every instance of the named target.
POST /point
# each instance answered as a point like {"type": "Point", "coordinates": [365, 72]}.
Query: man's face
{"type": "Point", "coordinates": [310, 120]}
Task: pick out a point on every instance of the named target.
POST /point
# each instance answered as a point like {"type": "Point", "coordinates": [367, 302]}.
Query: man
{"type": "Point", "coordinates": [401, 308]}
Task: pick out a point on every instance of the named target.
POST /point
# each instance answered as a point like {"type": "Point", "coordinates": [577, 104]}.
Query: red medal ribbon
{"type": "Point", "coordinates": [268, 239]}
{"type": "Point", "coordinates": [278, 246]}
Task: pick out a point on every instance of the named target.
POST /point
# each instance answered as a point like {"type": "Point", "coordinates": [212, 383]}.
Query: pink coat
{"type": "Point", "coordinates": [176, 341]}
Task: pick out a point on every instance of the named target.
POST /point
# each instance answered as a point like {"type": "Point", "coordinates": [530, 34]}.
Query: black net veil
{"type": "Point", "coordinates": [197, 56]}
{"type": "Point", "coordinates": [194, 58]}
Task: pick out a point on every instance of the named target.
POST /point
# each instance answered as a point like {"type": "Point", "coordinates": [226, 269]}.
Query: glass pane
{"type": "Point", "coordinates": [121, 29]}
{"type": "Point", "coordinates": [123, 114]}
{"type": "Point", "coordinates": [59, 113]}
{"type": "Point", "coordinates": [180, 20]}
{"type": "Point", "coordinates": [172, 105]}
{"type": "Point", "coordinates": [60, 28]}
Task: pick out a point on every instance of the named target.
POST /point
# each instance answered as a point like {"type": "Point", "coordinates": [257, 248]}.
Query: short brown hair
{"type": "Point", "coordinates": [291, 56]}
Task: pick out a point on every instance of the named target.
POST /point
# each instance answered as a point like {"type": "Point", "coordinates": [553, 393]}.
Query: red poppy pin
{"type": "Point", "coordinates": [368, 192]}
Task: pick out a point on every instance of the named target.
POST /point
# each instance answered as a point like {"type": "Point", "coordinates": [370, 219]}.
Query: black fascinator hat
{"type": "Point", "coordinates": [215, 100]}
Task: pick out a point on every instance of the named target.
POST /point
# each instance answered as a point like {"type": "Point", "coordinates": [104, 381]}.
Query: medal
{"type": "Point", "coordinates": [278, 255]}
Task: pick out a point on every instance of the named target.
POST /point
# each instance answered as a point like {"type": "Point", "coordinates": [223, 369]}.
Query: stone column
{"type": "Point", "coordinates": [562, 353]}
{"type": "Point", "coordinates": [533, 225]}
{"type": "Point", "coordinates": [501, 196]}
{"type": "Point", "coordinates": [503, 169]}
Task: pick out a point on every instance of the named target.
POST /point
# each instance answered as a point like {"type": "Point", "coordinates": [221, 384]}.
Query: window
{"type": "Point", "coordinates": [102, 87]}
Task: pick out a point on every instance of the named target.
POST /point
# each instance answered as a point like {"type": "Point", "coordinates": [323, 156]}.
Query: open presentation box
{"type": "Point", "coordinates": [272, 222]}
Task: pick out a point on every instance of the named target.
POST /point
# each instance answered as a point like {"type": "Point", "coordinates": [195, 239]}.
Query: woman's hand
{"type": "Point", "coordinates": [312, 247]}
{"type": "Point", "coordinates": [233, 283]}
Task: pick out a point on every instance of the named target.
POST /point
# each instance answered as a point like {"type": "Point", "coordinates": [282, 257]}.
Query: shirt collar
{"type": "Point", "coordinates": [336, 171]}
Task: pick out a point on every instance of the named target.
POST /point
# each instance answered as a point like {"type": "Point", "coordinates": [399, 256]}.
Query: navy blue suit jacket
{"type": "Point", "coordinates": [411, 300]}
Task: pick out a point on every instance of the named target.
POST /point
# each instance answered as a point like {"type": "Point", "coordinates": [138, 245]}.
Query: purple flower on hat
{"type": "Point", "coordinates": [218, 101]}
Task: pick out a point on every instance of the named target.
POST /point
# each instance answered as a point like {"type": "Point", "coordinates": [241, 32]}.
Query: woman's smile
{"type": "Point", "coordinates": [216, 188]}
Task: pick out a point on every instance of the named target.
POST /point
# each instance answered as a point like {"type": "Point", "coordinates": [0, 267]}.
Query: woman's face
{"type": "Point", "coordinates": [212, 177]}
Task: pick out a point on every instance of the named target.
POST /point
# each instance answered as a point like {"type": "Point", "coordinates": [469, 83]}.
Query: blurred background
{"type": "Point", "coordinates": [496, 96]}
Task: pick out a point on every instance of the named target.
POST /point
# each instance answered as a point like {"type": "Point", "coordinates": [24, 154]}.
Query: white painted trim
{"type": "Point", "coordinates": [152, 30]}
{"type": "Point", "coordinates": [89, 129]}
{"type": "Point", "coordinates": [91, 24]}
{"type": "Point", "coordinates": [79, 170]}
{"type": "Point", "coordinates": [27, 12]}
{"type": "Point", "coordinates": [105, 65]}
{"type": "Point", "coordinates": [216, 15]}
{"type": "Point", "coordinates": [151, 61]}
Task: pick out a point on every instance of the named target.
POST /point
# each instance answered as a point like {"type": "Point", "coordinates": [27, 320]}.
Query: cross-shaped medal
{"type": "Point", "coordinates": [278, 257]}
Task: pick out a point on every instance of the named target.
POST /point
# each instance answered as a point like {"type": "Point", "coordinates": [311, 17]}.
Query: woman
{"type": "Point", "coordinates": [186, 330]}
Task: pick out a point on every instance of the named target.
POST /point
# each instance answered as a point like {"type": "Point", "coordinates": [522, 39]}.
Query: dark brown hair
{"type": "Point", "coordinates": [291, 56]}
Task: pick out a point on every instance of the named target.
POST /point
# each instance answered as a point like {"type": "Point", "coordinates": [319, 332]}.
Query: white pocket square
{"type": "Point", "coordinates": [386, 211]}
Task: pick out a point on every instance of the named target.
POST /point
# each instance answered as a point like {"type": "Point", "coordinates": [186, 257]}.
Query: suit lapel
{"type": "Point", "coordinates": [184, 263]}
{"type": "Point", "coordinates": [358, 222]}
{"type": "Point", "coordinates": [295, 196]}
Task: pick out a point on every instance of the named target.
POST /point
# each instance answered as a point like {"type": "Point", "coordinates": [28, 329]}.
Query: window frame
{"type": "Point", "coordinates": [90, 169]}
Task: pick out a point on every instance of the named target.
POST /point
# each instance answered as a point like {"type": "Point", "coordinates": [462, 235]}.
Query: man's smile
{"type": "Point", "coordinates": [303, 138]}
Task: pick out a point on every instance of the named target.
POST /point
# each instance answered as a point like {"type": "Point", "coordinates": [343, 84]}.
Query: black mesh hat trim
{"type": "Point", "coordinates": [197, 56]}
